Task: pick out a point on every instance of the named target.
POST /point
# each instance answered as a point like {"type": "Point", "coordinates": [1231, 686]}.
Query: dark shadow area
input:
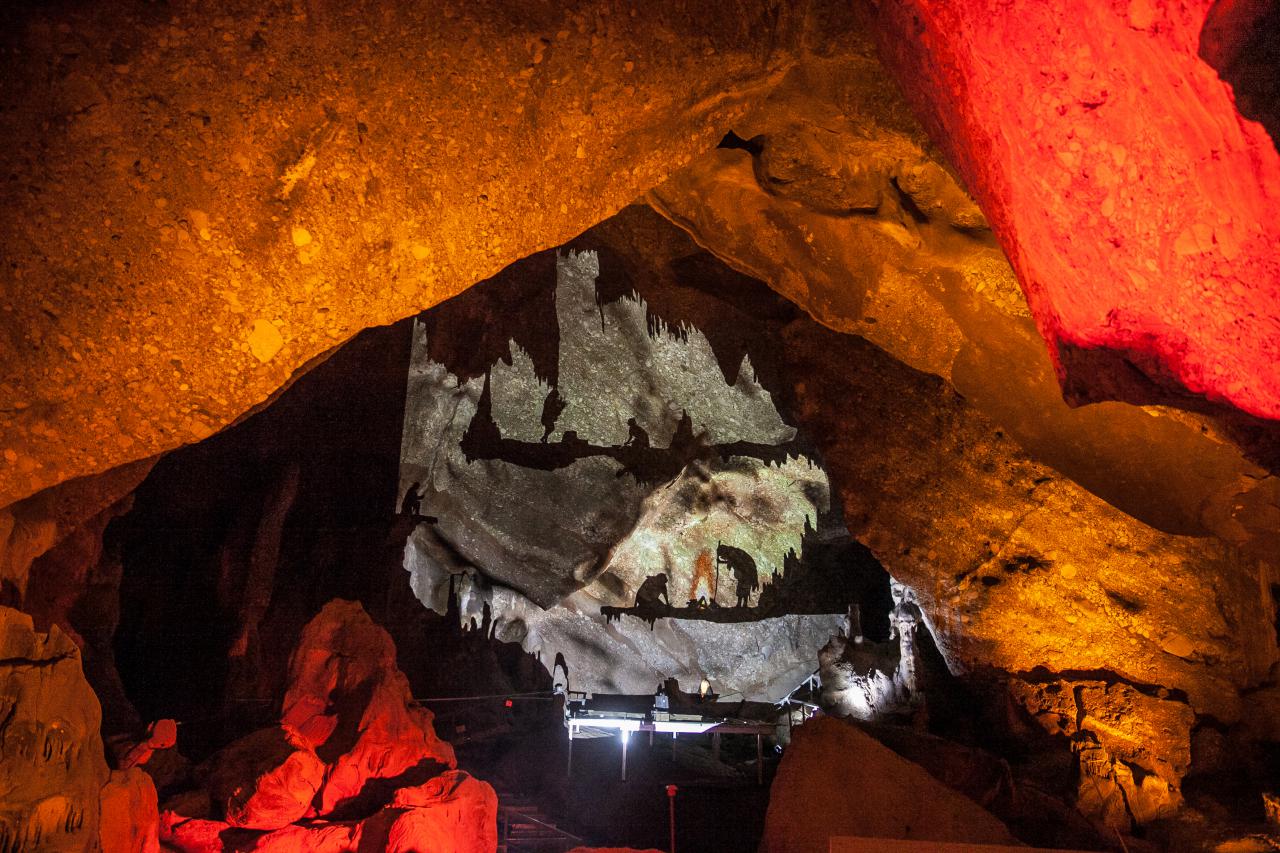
{"type": "Point", "coordinates": [1241, 40]}
{"type": "Point", "coordinates": [224, 562]}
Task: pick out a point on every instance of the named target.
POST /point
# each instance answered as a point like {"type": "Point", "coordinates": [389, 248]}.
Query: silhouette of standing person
{"type": "Point", "coordinates": [744, 571]}
{"type": "Point", "coordinates": [552, 408]}
{"type": "Point", "coordinates": [412, 503]}
{"type": "Point", "coordinates": [747, 581]}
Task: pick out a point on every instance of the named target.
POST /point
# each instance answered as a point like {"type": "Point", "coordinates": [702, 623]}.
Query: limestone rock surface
{"type": "Point", "coordinates": [220, 199]}
{"type": "Point", "coordinates": [1012, 563]}
{"type": "Point", "coordinates": [52, 764]}
{"type": "Point", "coordinates": [836, 780]}
{"type": "Point", "coordinates": [266, 780]}
{"type": "Point", "coordinates": [130, 817]}
{"type": "Point", "coordinates": [1170, 201]}
{"type": "Point", "coordinates": [453, 813]}
{"type": "Point", "coordinates": [915, 269]}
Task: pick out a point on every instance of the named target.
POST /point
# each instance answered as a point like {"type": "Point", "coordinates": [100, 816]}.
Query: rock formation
{"type": "Point", "coordinates": [453, 813]}
{"type": "Point", "coordinates": [994, 214]}
{"type": "Point", "coordinates": [52, 765]}
{"type": "Point", "coordinates": [130, 819]}
{"type": "Point", "coordinates": [245, 224]}
{"type": "Point", "coordinates": [353, 749]}
{"type": "Point", "coordinates": [813, 800]}
{"type": "Point", "coordinates": [1170, 201]}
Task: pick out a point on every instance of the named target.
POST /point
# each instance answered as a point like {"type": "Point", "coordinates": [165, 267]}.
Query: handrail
{"type": "Point", "coordinates": [551, 826]}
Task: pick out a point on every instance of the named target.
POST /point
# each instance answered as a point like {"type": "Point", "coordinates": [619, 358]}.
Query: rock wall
{"type": "Point", "coordinates": [840, 202]}
{"type": "Point", "coordinates": [52, 765]}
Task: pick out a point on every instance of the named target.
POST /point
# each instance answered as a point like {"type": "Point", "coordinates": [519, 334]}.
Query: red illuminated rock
{"type": "Point", "coordinates": [1140, 210]}
{"type": "Point", "coordinates": [130, 817]}
{"type": "Point", "coordinates": [162, 734]}
{"type": "Point", "coordinates": [266, 780]}
{"type": "Point", "coordinates": [453, 813]}
{"type": "Point", "coordinates": [349, 702]}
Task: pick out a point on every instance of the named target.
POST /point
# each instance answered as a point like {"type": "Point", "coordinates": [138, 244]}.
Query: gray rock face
{"type": "Point", "coordinates": [556, 499]}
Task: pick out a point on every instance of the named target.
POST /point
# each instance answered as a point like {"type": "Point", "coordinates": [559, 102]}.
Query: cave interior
{"type": "Point", "coordinates": [799, 427]}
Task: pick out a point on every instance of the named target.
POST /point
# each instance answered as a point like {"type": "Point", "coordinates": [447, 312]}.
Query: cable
{"type": "Point", "coordinates": [542, 694]}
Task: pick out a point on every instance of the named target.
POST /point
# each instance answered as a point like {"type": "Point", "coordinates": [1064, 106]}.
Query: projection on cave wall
{"type": "Point", "coordinates": [616, 500]}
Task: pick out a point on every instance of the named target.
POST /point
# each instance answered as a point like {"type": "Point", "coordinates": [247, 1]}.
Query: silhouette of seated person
{"type": "Point", "coordinates": [411, 505]}
{"type": "Point", "coordinates": [652, 594]}
{"type": "Point", "coordinates": [637, 438]}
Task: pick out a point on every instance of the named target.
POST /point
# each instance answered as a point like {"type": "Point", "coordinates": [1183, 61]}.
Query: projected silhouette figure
{"type": "Point", "coordinates": [412, 503]}
{"type": "Point", "coordinates": [744, 570]}
{"type": "Point", "coordinates": [653, 592]}
{"type": "Point", "coordinates": [636, 435]}
{"type": "Point", "coordinates": [552, 407]}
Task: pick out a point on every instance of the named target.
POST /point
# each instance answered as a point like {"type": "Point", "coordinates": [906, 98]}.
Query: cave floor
{"type": "Point", "coordinates": [719, 807]}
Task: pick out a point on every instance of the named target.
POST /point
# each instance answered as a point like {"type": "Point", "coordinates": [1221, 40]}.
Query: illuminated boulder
{"type": "Point", "coordinates": [266, 780]}
{"type": "Point", "coordinates": [453, 813]}
{"type": "Point", "coordinates": [835, 780]}
{"type": "Point", "coordinates": [130, 818]}
{"type": "Point", "coordinates": [1105, 150]}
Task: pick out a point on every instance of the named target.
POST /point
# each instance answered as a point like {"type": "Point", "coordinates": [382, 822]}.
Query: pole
{"type": "Point", "coordinates": [671, 800]}
{"type": "Point", "coordinates": [715, 592]}
{"type": "Point", "coordinates": [569, 770]}
{"type": "Point", "coordinates": [623, 734]}
{"type": "Point", "coordinates": [759, 760]}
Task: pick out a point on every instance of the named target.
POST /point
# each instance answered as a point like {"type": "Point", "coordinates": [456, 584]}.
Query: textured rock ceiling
{"type": "Point", "coordinates": [198, 206]}
{"type": "Point", "coordinates": [195, 206]}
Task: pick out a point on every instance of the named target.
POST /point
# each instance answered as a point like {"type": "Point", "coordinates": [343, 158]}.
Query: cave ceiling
{"type": "Point", "coordinates": [362, 164]}
{"type": "Point", "coordinates": [181, 242]}
{"type": "Point", "coordinates": [1020, 336]}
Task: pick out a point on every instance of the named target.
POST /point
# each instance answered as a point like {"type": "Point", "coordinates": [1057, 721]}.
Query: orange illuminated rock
{"type": "Point", "coordinates": [52, 766]}
{"type": "Point", "coordinates": [1015, 566]}
{"type": "Point", "coordinates": [839, 202]}
{"type": "Point", "coordinates": [835, 780]}
{"type": "Point", "coordinates": [219, 199]}
{"type": "Point", "coordinates": [130, 817]}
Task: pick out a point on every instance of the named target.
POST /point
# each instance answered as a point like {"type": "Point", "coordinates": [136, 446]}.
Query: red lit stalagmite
{"type": "Point", "coordinates": [352, 751]}
{"type": "Point", "coordinates": [1140, 209]}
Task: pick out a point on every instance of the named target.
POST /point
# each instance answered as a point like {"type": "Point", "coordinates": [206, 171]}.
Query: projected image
{"type": "Point", "coordinates": [603, 490]}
